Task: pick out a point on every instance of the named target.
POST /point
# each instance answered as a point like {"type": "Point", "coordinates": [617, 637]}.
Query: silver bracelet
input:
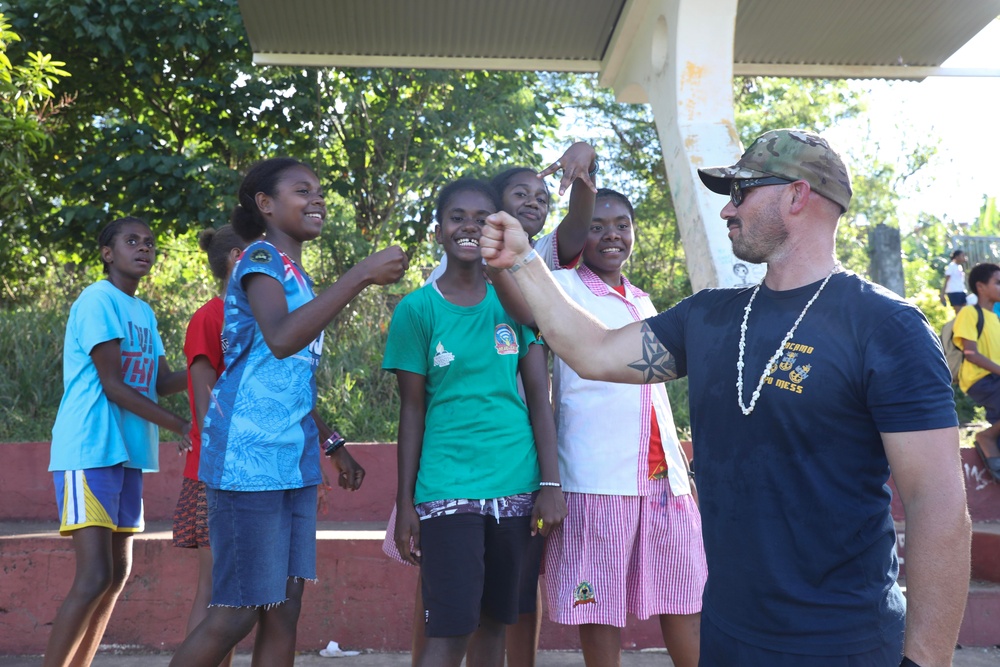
{"type": "Point", "coordinates": [524, 261]}
{"type": "Point", "coordinates": [552, 484]}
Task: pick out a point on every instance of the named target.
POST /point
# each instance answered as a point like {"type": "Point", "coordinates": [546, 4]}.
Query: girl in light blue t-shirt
{"type": "Point", "coordinates": [105, 434]}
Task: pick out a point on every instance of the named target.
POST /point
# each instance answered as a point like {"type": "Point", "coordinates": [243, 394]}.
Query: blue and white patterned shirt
{"type": "Point", "coordinates": [259, 434]}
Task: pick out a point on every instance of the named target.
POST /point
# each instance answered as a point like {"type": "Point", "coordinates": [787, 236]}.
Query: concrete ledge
{"type": "Point", "coordinates": [363, 599]}
{"type": "Point", "coordinates": [29, 494]}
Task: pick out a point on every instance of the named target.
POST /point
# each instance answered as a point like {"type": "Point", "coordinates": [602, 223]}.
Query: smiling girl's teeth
{"type": "Point", "coordinates": [468, 243]}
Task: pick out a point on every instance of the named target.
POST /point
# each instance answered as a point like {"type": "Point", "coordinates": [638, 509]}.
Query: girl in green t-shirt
{"type": "Point", "coordinates": [472, 454]}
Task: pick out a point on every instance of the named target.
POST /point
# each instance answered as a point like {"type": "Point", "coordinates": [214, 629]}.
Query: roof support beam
{"type": "Point", "coordinates": [901, 72]}
{"type": "Point", "coordinates": [424, 62]}
{"type": "Point", "coordinates": [677, 55]}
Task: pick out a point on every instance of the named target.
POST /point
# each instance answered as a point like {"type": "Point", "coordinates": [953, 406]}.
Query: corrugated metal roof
{"type": "Point", "coordinates": [857, 32]}
{"type": "Point", "coordinates": [575, 34]}
{"type": "Point", "coordinates": [522, 29]}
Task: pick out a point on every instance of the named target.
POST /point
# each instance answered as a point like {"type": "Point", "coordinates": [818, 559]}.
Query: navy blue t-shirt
{"type": "Point", "coordinates": [794, 500]}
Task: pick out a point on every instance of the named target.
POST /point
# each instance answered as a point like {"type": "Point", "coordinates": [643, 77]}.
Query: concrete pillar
{"type": "Point", "coordinates": [886, 258]}
{"type": "Point", "coordinates": [677, 55]}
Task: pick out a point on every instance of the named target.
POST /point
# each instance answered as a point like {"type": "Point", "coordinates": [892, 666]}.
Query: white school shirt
{"type": "Point", "coordinates": [603, 427]}
{"type": "Point", "coordinates": [955, 274]}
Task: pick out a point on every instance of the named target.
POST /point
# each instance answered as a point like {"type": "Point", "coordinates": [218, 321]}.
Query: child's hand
{"type": "Point", "coordinates": [321, 504]}
{"type": "Point", "coordinates": [350, 473]}
{"type": "Point", "coordinates": [385, 266]}
{"type": "Point", "coordinates": [184, 444]}
{"type": "Point", "coordinates": [408, 534]}
{"type": "Point", "coordinates": [575, 163]}
{"type": "Point", "coordinates": [549, 510]}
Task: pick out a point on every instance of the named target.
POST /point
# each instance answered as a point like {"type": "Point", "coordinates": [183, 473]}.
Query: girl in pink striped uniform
{"type": "Point", "coordinates": [631, 541]}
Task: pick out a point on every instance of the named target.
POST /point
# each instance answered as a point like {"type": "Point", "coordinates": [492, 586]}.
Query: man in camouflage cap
{"type": "Point", "coordinates": [790, 155]}
{"type": "Point", "coordinates": [804, 391]}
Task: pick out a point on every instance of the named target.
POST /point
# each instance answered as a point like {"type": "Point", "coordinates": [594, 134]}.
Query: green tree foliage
{"type": "Point", "coordinates": [28, 107]}
{"type": "Point", "coordinates": [390, 138]}
{"type": "Point", "coordinates": [170, 110]}
{"type": "Point", "coordinates": [988, 222]}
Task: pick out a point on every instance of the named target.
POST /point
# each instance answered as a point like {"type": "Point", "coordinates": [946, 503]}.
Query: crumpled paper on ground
{"type": "Point", "coordinates": [332, 650]}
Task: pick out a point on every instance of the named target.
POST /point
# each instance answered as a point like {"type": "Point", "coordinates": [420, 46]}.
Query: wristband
{"type": "Point", "coordinates": [556, 485]}
{"type": "Point", "coordinates": [908, 663]}
{"type": "Point", "coordinates": [593, 169]}
{"type": "Point", "coordinates": [524, 261]}
{"type": "Point", "coordinates": [333, 443]}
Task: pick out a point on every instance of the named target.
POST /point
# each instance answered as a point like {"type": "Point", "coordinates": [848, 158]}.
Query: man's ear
{"type": "Point", "coordinates": [800, 196]}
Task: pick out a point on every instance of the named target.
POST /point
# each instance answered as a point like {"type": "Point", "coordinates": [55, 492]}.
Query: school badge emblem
{"type": "Point", "coordinates": [261, 256]}
{"type": "Point", "coordinates": [584, 594]}
{"type": "Point", "coordinates": [505, 339]}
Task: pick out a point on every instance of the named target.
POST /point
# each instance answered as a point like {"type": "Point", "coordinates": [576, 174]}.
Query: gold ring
{"type": "Point", "coordinates": [540, 524]}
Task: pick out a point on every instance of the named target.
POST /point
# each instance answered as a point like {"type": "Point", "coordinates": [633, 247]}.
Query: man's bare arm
{"type": "Point", "coordinates": [656, 364]}
{"type": "Point", "coordinates": [631, 354]}
{"type": "Point", "coordinates": [928, 474]}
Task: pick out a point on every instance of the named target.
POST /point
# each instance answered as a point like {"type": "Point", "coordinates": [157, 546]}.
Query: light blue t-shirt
{"type": "Point", "coordinates": [259, 434]}
{"type": "Point", "coordinates": [90, 431]}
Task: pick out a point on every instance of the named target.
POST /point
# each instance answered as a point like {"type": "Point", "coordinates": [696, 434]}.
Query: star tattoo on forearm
{"type": "Point", "coordinates": [656, 364]}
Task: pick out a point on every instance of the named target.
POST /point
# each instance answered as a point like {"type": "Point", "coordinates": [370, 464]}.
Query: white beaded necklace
{"type": "Point", "coordinates": [777, 353]}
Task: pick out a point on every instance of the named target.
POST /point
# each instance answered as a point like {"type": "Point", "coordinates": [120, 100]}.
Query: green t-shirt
{"type": "Point", "coordinates": [478, 441]}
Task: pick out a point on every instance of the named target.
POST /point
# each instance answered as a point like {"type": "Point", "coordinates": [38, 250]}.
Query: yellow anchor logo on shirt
{"type": "Point", "coordinates": [788, 361]}
{"type": "Point", "coordinates": [800, 373]}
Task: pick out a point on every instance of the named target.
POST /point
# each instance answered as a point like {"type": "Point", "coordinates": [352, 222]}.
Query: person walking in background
{"type": "Point", "coordinates": [793, 460]}
{"type": "Point", "coordinates": [980, 377]}
{"type": "Point", "coordinates": [105, 435]}
{"type": "Point", "coordinates": [953, 287]}
{"type": "Point", "coordinates": [472, 455]}
{"type": "Point", "coordinates": [205, 363]}
{"type": "Point", "coordinates": [259, 457]}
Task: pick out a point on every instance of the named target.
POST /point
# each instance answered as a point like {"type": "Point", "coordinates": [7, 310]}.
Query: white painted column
{"type": "Point", "coordinates": [677, 55]}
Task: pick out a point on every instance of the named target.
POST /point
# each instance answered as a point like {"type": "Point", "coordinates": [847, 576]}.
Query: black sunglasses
{"type": "Point", "coordinates": [738, 187]}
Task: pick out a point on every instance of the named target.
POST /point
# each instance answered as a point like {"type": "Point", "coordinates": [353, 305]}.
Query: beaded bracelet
{"type": "Point", "coordinates": [552, 484]}
{"type": "Point", "coordinates": [333, 443]}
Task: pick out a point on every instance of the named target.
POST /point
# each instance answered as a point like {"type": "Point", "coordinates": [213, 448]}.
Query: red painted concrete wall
{"type": "Point", "coordinates": [29, 495]}
{"type": "Point", "coordinates": [363, 599]}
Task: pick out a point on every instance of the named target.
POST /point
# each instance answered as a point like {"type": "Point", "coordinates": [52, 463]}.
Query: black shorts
{"type": "Point", "coordinates": [530, 569]}
{"type": "Point", "coordinates": [471, 565]}
{"type": "Point", "coordinates": [956, 299]}
{"type": "Point", "coordinates": [986, 392]}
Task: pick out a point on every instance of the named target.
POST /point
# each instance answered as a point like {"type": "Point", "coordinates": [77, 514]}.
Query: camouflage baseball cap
{"type": "Point", "coordinates": [793, 154]}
